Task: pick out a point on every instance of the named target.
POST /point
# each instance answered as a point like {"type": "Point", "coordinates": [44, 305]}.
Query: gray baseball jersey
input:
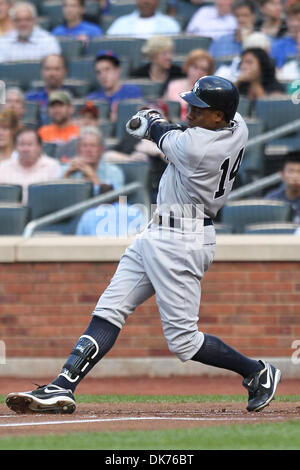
{"type": "Point", "coordinates": [203, 165]}
{"type": "Point", "coordinates": [171, 261]}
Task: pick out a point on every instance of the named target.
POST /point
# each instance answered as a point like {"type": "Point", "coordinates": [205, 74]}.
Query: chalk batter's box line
{"type": "Point", "coordinates": [146, 418]}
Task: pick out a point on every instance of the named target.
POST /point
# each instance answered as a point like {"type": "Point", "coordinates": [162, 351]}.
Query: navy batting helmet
{"type": "Point", "coordinates": [214, 92]}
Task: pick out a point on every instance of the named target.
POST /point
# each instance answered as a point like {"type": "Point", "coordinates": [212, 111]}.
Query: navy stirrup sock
{"type": "Point", "coordinates": [214, 352]}
{"type": "Point", "coordinates": [96, 341]}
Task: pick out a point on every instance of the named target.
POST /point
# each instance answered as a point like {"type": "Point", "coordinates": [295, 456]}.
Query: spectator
{"type": "Point", "coordinates": [197, 64]}
{"type": "Point", "coordinates": [108, 71]}
{"type": "Point", "coordinates": [74, 25]}
{"type": "Point", "coordinates": [145, 21]}
{"type": "Point", "coordinates": [256, 39]}
{"type": "Point", "coordinates": [257, 75]}
{"type": "Point", "coordinates": [291, 69]}
{"type": "Point", "coordinates": [6, 23]}
{"type": "Point", "coordinates": [15, 102]}
{"type": "Point", "coordinates": [289, 189]}
{"type": "Point", "coordinates": [112, 220]}
{"type": "Point", "coordinates": [213, 21]}
{"type": "Point", "coordinates": [30, 165]}
{"type": "Point", "coordinates": [89, 165]}
{"type": "Point", "coordinates": [287, 46]}
{"type": "Point", "coordinates": [88, 115]}
{"type": "Point", "coordinates": [53, 72]}
{"type": "Point", "coordinates": [26, 41]}
{"type": "Point", "coordinates": [159, 68]}
{"type": "Point", "coordinates": [231, 44]}
{"type": "Point", "coordinates": [62, 129]}
{"type": "Point", "coordinates": [272, 21]}
{"type": "Point", "coordinates": [8, 128]}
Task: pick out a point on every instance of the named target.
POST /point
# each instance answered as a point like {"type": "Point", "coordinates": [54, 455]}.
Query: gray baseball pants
{"type": "Point", "coordinates": [170, 263]}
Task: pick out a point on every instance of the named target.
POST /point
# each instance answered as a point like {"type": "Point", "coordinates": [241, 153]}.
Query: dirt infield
{"type": "Point", "coordinates": [148, 416]}
{"type": "Point", "coordinates": [142, 416]}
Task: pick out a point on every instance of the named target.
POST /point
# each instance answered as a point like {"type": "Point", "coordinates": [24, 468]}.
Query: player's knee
{"type": "Point", "coordinates": [185, 346]}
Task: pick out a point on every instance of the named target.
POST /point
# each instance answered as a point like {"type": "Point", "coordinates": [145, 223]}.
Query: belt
{"type": "Point", "coordinates": [177, 223]}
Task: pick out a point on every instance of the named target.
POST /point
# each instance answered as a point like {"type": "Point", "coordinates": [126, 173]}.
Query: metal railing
{"type": "Point", "coordinates": [78, 208]}
{"type": "Point", "coordinates": [272, 179]}
{"type": "Point", "coordinates": [252, 188]}
{"type": "Point", "coordinates": [274, 133]}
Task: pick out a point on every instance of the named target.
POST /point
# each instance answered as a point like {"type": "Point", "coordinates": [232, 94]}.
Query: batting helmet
{"type": "Point", "coordinates": [214, 92]}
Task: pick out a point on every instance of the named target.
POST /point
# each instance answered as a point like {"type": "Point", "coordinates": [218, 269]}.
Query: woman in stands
{"type": "Point", "coordinates": [9, 124]}
{"type": "Point", "coordinates": [257, 77]}
{"type": "Point", "coordinates": [159, 67]}
{"type": "Point", "coordinates": [197, 64]}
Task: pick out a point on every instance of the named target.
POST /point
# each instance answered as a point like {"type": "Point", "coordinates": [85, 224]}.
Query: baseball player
{"type": "Point", "coordinates": [170, 257]}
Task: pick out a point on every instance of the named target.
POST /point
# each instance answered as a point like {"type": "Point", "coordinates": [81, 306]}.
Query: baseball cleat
{"type": "Point", "coordinates": [45, 399]}
{"type": "Point", "coordinates": [262, 386]}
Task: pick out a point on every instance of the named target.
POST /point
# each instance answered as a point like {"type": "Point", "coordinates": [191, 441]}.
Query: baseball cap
{"type": "Point", "coordinates": [60, 96]}
{"type": "Point", "coordinates": [89, 107]}
{"type": "Point", "coordinates": [107, 54]}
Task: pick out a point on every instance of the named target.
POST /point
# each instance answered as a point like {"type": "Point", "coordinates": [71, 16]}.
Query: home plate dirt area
{"type": "Point", "coordinates": [147, 416]}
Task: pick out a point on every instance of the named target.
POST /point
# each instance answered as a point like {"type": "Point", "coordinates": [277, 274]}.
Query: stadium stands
{"type": "Point", "coordinates": [239, 214]}
{"type": "Point", "coordinates": [262, 115]}
{"type": "Point", "coordinates": [10, 193]}
{"type": "Point", "coordinates": [13, 217]}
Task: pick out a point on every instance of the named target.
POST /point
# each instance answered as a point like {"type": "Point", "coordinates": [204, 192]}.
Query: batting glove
{"type": "Point", "coordinates": [143, 120]}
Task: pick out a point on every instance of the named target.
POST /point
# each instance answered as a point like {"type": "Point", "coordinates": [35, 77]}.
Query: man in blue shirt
{"type": "Point", "coordinates": [74, 25]}
{"type": "Point", "coordinates": [286, 47]}
{"type": "Point", "coordinates": [53, 72]}
{"type": "Point", "coordinates": [289, 189]}
{"type": "Point", "coordinates": [108, 73]}
{"type": "Point", "coordinates": [88, 164]}
{"type": "Point", "coordinates": [232, 44]}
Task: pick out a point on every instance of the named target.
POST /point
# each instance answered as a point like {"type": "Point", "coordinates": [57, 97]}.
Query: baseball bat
{"type": "Point", "coordinates": [135, 123]}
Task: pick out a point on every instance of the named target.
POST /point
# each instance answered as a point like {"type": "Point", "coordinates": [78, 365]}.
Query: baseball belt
{"type": "Point", "coordinates": [173, 222]}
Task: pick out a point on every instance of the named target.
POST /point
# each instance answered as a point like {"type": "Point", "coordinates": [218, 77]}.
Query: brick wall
{"type": "Point", "coordinates": [44, 307]}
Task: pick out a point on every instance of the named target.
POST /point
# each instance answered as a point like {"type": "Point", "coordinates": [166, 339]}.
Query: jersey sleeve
{"type": "Point", "coordinates": [185, 149]}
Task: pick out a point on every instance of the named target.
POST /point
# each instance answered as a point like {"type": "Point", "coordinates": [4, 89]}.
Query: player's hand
{"type": "Point", "coordinates": [139, 125]}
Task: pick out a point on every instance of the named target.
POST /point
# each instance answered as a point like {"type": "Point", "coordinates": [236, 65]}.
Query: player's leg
{"type": "Point", "coordinates": [128, 288]}
{"type": "Point", "coordinates": [178, 291]}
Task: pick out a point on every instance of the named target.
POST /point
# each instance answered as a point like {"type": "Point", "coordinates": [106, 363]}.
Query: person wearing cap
{"type": "Point", "coordinates": [108, 72]}
{"type": "Point", "coordinates": [145, 21]}
{"type": "Point", "coordinates": [74, 25]}
{"type": "Point", "coordinates": [62, 127]}
{"type": "Point", "coordinates": [88, 115]}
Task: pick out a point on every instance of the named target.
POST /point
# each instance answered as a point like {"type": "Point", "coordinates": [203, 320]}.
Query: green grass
{"type": "Point", "coordinates": [258, 436]}
{"type": "Point", "coordinates": [269, 436]}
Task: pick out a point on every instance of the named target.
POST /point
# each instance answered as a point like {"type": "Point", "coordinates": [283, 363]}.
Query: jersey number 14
{"type": "Point", "coordinates": [234, 171]}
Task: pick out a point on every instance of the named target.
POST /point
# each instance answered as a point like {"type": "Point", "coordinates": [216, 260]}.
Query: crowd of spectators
{"type": "Point", "coordinates": [254, 43]}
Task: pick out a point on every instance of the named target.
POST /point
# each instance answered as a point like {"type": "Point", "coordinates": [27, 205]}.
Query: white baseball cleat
{"type": "Point", "coordinates": [45, 399]}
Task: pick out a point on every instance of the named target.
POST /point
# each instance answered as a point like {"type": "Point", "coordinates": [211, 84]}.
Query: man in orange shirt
{"type": "Point", "coordinates": [62, 129]}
